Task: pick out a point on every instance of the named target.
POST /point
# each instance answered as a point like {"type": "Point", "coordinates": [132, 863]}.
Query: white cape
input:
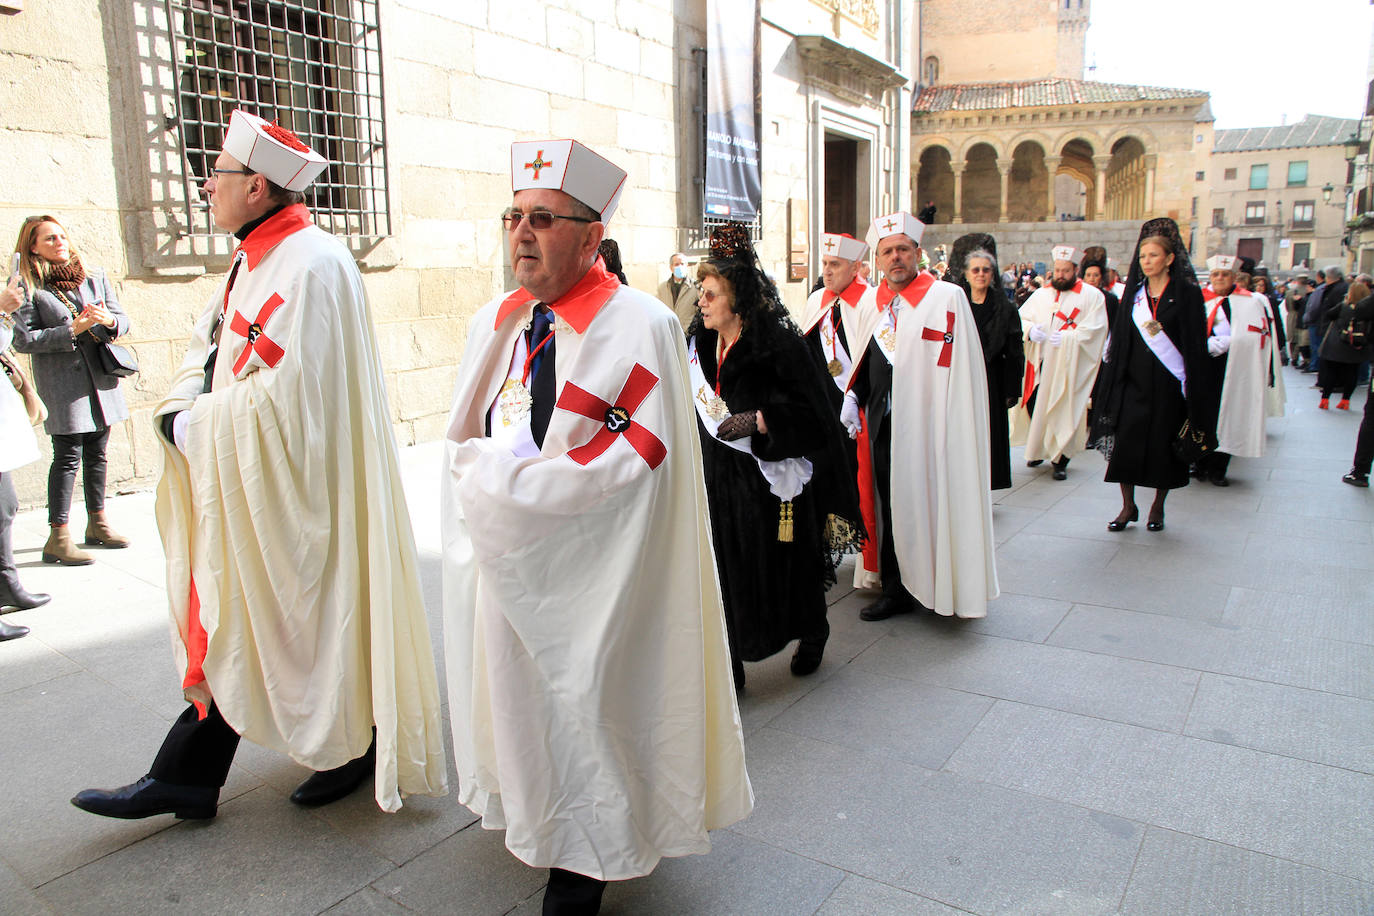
{"type": "Point", "coordinates": [941, 505]}
{"type": "Point", "coordinates": [287, 512]}
{"type": "Point", "coordinates": [593, 707]}
{"type": "Point", "coordinates": [1064, 374]}
{"type": "Point", "coordinates": [1245, 391]}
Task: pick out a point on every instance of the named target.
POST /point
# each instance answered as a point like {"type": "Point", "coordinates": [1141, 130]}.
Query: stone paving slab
{"type": "Point", "coordinates": [860, 897]}
{"type": "Point", "coordinates": [1307, 724]}
{"type": "Point", "coordinates": [1182, 875]}
{"type": "Point", "coordinates": [1214, 791]}
{"type": "Point", "coordinates": [1317, 617]}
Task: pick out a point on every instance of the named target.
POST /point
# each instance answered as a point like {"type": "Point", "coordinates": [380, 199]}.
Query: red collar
{"type": "Point", "coordinates": [285, 222]}
{"type": "Point", "coordinates": [913, 294]}
{"type": "Point", "coordinates": [1076, 288]}
{"type": "Point", "coordinates": [1209, 294]}
{"type": "Point", "coordinates": [578, 306]}
{"type": "Point", "coordinates": [851, 295]}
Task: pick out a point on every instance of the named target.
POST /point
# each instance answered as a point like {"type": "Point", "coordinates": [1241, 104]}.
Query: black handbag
{"type": "Point", "coordinates": [116, 360]}
{"type": "Point", "coordinates": [1191, 445]}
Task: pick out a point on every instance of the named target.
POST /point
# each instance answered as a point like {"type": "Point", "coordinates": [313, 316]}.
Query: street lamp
{"type": "Point", "coordinates": [1326, 192]}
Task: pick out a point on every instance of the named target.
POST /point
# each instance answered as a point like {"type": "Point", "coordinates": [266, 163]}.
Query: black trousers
{"type": "Point", "coordinates": [882, 477]}
{"type": "Point", "coordinates": [87, 450]}
{"type": "Point", "coordinates": [1335, 375]}
{"type": "Point", "coordinates": [571, 894]}
{"type": "Point", "coordinates": [9, 506]}
{"type": "Point", "coordinates": [196, 751]}
{"type": "Point", "coordinates": [1214, 464]}
{"type": "Point", "coordinates": [1364, 442]}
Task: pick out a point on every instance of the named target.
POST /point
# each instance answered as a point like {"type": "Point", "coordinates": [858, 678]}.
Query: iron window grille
{"type": "Point", "coordinates": [313, 66]}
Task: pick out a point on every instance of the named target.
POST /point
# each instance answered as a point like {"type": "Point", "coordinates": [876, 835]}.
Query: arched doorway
{"type": "Point", "coordinates": [1127, 180]}
{"type": "Point", "coordinates": [935, 181]}
{"type": "Point", "coordinates": [982, 191]}
{"type": "Point", "coordinates": [1026, 183]}
{"type": "Point", "coordinates": [1074, 191]}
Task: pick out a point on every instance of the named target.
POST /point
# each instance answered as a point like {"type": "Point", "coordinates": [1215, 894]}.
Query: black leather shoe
{"type": "Point", "coordinates": [1155, 524]}
{"type": "Point", "coordinates": [807, 658]}
{"type": "Point", "coordinates": [1125, 518]}
{"type": "Point", "coordinates": [11, 631]}
{"type": "Point", "coordinates": [1219, 480]}
{"type": "Point", "coordinates": [15, 598]}
{"type": "Point", "coordinates": [150, 796]}
{"type": "Point", "coordinates": [1036, 463]}
{"type": "Point", "coordinates": [1059, 472]}
{"type": "Point", "coordinates": [1356, 479]}
{"type": "Point", "coordinates": [885, 607]}
{"type": "Point", "coordinates": [331, 785]}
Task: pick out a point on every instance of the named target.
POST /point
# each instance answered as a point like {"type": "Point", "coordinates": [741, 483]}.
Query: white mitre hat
{"type": "Point", "coordinates": [899, 223]}
{"type": "Point", "coordinates": [272, 151]}
{"type": "Point", "coordinates": [570, 167]}
{"type": "Point", "coordinates": [847, 247]}
{"type": "Point", "coordinates": [1066, 253]}
{"type": "Point", "coordinates": [1223, 262]}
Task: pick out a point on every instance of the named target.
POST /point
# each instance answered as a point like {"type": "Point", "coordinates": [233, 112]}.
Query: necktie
{"type": "Point", "coordinates": [542, 394]}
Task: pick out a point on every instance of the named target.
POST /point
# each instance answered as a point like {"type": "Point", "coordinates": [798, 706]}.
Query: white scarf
{"type": "Point", "coordinates": [1160, 345]}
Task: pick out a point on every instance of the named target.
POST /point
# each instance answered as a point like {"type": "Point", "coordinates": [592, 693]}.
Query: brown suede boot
{"type": "Point", "coordinates": [100, 534]}
{"type": "Point", "coordinates": [60, 549]}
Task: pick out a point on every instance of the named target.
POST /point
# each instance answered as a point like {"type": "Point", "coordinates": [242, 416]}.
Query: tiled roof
{"type": "Point", "coordinates": [1040, 93]}
{"type": "Point", "coordinates": [1313, 130]}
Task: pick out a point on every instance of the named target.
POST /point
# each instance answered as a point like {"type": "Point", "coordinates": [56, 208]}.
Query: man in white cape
{"type": "Point", "coordinates": [280, 477]}
{"type": "Point", "coordinates": [1064, 327]}
{"type": "Point", "coordinates": [1240, 341]}
{"type": "Point", "coordinates": [838, 324]}
{"type": "Point", "coordinates": [594, 716]}
{"type": "Point", "coordinates": [924, 397]}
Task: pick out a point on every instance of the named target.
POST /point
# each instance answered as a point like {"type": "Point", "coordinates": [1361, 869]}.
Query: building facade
{"type": "Point", "coordinates": [1280, 194]}
{"type": "Point", "coordinates": [114, 111]}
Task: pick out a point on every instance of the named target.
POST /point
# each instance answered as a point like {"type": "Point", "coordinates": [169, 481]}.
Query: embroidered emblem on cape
{"type": "Point", "coordinates": [583, 403]}
{"type": "Point", "coordinates": [257, 341]}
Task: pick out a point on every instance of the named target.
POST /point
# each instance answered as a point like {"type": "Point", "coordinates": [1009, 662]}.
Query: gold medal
{"type": "Point", "coordinates": [515, 402]}
{"type": "Point", "coordinates": [716, 408]}
{"type": "Point", "coordinates": [889, 339]}
{"type": "Point", "coordinates": [834, 368]}
{"type": "Point", "coordinates": [1153, 327]}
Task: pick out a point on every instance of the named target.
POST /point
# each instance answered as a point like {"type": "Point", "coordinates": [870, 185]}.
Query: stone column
{"type": "Point", "coordinates": [1151, 161]}
{"type": "Point", "coordinates": [1051, 166]}
{"type": "Point", "coordinates": [958, 196]}
{"type": "Point", "coordinates": [1005, 170]}
{"type": "Point", "coordinates": [1100, 185]}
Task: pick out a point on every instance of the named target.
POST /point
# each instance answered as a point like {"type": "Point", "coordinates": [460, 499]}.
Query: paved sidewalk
{"type": "Point", "coordinates": [1166, 723]}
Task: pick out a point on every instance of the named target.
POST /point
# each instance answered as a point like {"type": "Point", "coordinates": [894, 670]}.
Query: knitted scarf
{"type": "Point", "coordinates": [67, 276]}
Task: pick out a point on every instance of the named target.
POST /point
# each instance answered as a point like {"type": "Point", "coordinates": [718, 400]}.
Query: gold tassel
{"type": "Point", "coordinates": [785, 522]}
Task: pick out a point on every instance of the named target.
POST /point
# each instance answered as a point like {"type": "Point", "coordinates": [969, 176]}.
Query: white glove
{"type": "Point", "coordinates": [1218, 345]}
{"type": "Point", "coordinates": [849, 414]}
{"type": "Point", "coordinates": [1036, 333]}
{"type": "Point", "coordinates": [1055, 337]}
{"type": "Point", "coordinates": [180, 424]}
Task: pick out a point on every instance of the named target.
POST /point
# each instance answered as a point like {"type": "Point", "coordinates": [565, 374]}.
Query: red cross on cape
{"type": "Point", "coordinates": [1070, 320]}
{"type": "Point", "coordinates": [1262, 331]}
{"type": "Point", "coordinates": [618, 418]}
{"type": "Point", "coordinates": [258, 341]}
{"type": "Point", "coordinates": [947, 336]}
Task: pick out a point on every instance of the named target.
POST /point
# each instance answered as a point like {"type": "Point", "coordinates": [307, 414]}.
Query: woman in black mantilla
{"type": "Point", "coordinates": [775, 557]}
{"type": "Point", "coordinates": [973, 266]}
{"type": "Point", "coordinates": [1144, 403]}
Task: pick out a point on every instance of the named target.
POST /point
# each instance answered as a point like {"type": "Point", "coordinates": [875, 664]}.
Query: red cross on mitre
{"type": "Point", "coordinates": [829, 245]}
{"type": "Point", "coordinates": [258, 342]}
{"type": "Point", "coordinates": [947, 337]}
{"type": "Point", "coordinates": [1070, 320]}
{"type": "Point", "coordinates": [617, 417]}
{"type": "Point", "coordinates": [890, 224]}
{"type": "Point", "coordinates": [538, 163]}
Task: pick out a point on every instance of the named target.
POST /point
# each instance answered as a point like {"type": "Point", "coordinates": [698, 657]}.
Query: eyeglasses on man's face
{"type": "Point", "coordinates": [537, 219]}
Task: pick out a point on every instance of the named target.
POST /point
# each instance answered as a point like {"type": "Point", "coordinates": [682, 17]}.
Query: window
{"type": "Point", "coordinates": [1219, 217]}
{"type": "Point", "coordinates": [1302, 252]}
{"type": "Point", "coordinates": [1254, 212]}
{"type": "Point", "coordinates": [1297, 174]}
{"type": "Point", "coordinates": [1194, 213]}
{"type": "Point", "coordinates": [1259, 177]}
{"type": "Point", "coordinates": [1229, 175]}
{"type": "Point", "coordinates": [1303, 214]}
{"type": "Point", "coordinates": [314, 66]}
{"type": "Point", "coordinates": [1199, 176]}
{"type": "Point", "coordinates": [931, 71]}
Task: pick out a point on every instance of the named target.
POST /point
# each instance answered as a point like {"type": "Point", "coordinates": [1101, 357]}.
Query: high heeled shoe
{"type": "Point", "coordinates": [1125, 518]}
{"type": "Point", "coordinates": [1156, 523]}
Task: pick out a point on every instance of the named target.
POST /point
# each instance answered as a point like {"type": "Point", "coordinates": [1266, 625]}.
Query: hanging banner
{"type": "Point", "coordinates": [734, 183]}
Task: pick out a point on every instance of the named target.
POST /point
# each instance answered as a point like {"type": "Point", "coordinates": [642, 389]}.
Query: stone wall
{"type": "Point", "coordinates": [990, 41]}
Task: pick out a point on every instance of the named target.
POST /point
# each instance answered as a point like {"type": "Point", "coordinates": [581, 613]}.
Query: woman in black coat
{"type": "Point", "coordinates": [69, 313]}
{"type": "Point", "coordinates": [760, 384]}
{"type": "Point", "coordinates": [973, 266]}
{"type": "Point", "coordinates": [1340, 358]}
{"type": "Point", "coordinates": [1145, 401]}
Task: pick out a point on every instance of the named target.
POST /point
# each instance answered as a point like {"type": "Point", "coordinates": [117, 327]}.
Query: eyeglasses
{"type": "Point", "coordinates": [214, 172]}
{"type": "Point", "coordinates": [980, 270]}
{"type": "Point", "coordinates": [710, 296]}
{"type": "Point", "coordinates": [538, 219]}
